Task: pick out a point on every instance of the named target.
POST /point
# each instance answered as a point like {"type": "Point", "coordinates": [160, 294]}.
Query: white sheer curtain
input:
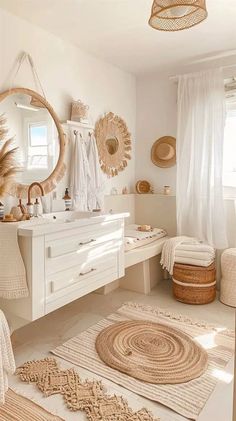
{"type": "Point", "coordinates": [201, 121]}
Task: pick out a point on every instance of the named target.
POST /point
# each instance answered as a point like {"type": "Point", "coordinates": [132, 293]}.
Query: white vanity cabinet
{"type": "Point", "coordinates": [65, 261]}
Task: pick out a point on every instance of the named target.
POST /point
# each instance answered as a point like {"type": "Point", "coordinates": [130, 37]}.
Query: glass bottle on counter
{"type": "Point", "coordinates": [67, 199]}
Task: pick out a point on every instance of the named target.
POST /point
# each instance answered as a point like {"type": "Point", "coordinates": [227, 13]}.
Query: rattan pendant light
{"type": "Point", "coordinates": [176, 15]}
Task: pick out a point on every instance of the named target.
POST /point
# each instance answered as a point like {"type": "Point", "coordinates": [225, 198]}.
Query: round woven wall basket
{"type": "Point", "coordinates": [151, 352]}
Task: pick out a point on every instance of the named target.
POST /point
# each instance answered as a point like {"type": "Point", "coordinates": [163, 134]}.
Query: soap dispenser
{"type": "Point", "coordinates": [36, 208]}
{"type": "Point", "coordinates": [67, 199]}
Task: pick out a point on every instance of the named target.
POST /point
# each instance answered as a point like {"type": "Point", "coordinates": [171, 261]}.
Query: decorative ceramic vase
{"type": "Point", "coordinates": [167, 190]}
{"type": "Point", "coordinates": [16, 212]}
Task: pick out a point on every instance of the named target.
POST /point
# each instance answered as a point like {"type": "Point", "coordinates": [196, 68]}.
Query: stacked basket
{"type": "Point", "coordinates": [194, 284]}
{"type": "Point", "coordinates": [194, 274]}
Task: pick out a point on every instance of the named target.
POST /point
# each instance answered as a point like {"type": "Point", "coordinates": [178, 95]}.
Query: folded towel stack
{"type": "Point", "coordinates": [197, 255]}
{"type": "Point", "coordinates": [188, 251]}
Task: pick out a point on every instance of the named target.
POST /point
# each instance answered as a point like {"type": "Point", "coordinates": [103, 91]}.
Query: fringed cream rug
{"type": "Point", "coordinates": [19, 408]}
{"type": "Point", "coordinates": [187, 399]}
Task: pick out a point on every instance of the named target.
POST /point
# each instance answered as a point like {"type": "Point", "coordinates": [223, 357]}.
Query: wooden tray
{"type": "Point", "coordinates": [145, 230]}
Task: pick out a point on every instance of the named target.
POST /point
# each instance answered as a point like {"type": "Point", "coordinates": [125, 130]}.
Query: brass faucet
{"type": "Point", "coordinates": [29, 204]}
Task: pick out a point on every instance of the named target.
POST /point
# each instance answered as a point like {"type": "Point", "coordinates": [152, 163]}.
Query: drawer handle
{"type": "Point", "coordinates": [86, 242]}
{"type": "Point", "coordinates": [86, 273]}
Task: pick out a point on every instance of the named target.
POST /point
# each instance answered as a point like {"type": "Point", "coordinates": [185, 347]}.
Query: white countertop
{"type": "Point", "coordinates": [43, 225]}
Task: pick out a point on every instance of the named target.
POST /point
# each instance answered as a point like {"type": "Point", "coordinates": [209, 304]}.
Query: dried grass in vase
{"type": "Point", "coordinates": [8, 166]}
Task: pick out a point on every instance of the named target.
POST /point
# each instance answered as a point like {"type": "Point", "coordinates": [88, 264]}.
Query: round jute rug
{"type": "Point", "coordinates": [152, 352]}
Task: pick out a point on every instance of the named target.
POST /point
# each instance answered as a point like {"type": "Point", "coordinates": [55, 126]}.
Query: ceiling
{"type": "Point", "coordinates": [117, 30]}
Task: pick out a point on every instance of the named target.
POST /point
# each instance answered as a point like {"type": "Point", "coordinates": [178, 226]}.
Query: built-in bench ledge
{"type": "Point", "coordinates": [142, 269]}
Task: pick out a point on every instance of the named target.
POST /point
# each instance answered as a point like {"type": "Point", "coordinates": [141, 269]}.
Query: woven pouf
{"type": "Point", "coordinates": [151, 352]}
{"type": "Point", "coordinates": [228, 280]}
{"type": "Point", "coordinates": [194, 284]}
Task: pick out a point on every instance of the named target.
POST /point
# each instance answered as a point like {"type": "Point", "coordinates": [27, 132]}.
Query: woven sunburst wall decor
{"type": "Point", "coordinates": [113, 142]}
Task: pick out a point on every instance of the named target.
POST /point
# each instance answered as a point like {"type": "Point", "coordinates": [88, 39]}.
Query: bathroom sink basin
{"type": "Point", "coordinates": [69, 216]}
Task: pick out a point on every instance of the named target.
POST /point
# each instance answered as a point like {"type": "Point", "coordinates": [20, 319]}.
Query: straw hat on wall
{"type": "Point", "coordinates": [163, 153]}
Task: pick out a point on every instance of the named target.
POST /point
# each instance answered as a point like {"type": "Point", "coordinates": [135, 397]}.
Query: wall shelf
{"type": "Point", "coordinates": [78, 124]}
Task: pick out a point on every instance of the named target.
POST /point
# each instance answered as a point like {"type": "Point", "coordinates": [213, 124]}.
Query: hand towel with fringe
{"type": "Point", "coordinates": [7, 362]}
{"type": "Point", "coordinates": [12, 270]}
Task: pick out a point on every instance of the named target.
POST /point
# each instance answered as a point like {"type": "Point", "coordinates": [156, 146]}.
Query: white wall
{"type": "Point", "coordinates": [156, 117]}
{"type": "Point", "coordinates": [156, 210]}
{"type": "Point", "coordinates": [68, 73]}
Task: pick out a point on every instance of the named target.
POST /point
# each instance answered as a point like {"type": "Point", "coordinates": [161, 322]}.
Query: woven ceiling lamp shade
{"type": "Point", "coordinates": [176, 15]}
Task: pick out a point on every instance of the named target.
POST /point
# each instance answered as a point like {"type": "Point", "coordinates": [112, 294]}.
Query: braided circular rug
{"type": "Point", "coordinates": [152, 352]}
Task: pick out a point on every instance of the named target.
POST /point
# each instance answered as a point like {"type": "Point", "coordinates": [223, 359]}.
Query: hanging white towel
{"type": "Point", "coordinates": [168, 251]}
{"type": "Point", "coordinates": [96, 183]}
{"type": "Point", "coordinates": [7, 362]}
{"type": "Point", "coordinates": [79, 175]}
{"type": "Point", "coordinates": [12, 270]}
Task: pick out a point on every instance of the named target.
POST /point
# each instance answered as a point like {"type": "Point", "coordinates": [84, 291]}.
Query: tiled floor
{"type": "Point", "coordinates": [35, 341]}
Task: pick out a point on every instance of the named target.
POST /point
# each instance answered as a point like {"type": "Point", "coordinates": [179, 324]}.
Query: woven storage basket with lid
{"type": "Point", "coordinates": [194, 284]}
{"type": "Point", "coordinates": [228, 280]}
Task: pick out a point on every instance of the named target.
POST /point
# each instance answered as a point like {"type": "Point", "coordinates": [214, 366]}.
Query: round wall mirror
{"type": "Point", "coordinates": [37, 132]}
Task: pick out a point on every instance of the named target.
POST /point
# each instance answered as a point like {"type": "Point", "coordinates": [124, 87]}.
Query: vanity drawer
{"type": "Point", "coordinates": [68, 285]}
{"type": "Point", "coordinates": [86, 254]}
{"type": "Point", "coordinates": [79, 273]}
{"type": "Point", "coordinates": [75, 241]}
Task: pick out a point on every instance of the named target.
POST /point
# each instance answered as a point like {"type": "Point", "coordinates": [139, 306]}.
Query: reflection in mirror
{"type": "Point", "coordinates": [112, 145]}
{"type": "Point", "coordinates": [35, 133]}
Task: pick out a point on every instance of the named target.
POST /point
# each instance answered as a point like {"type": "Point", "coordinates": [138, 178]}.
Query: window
{"type": "Point", "coordinates": [37, 146]}
{"type": "Point", "coordinates": [229, 163]}
{"type": "Point", "coordinates": [38, 135]}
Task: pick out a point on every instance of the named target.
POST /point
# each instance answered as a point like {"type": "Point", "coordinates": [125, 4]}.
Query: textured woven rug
{"type": "Point", "coordinates": [187, 399]}
{"type": "Point", "coordinates": [152, 352]}
{"type": "Point", "coordinates": [19, 408]}
{"type": "Point", "coordinates": [87, 396]}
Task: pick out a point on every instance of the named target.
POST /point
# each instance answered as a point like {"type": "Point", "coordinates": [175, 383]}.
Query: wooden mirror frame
{"type": "Point", "coordinates": [107, 127]}
{"type": "Point", "coordinates": [50, 183]}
